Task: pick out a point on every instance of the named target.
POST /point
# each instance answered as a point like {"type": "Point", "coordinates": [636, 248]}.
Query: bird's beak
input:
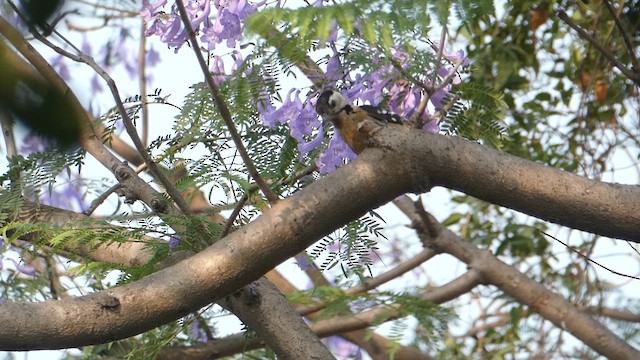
{"type": "Point", "coordinates": [325, 122]}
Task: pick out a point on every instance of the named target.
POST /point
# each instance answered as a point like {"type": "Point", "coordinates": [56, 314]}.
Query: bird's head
{"type": "Point", "coordinates": [331, 103]}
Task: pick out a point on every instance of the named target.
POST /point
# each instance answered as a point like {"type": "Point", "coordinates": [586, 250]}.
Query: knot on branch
{"type": "Point", "coordinates": [122, 171]}
{"type": "Point", "coordinates": [108, 302]}
{"type": "Point", "coordinates": [419, 183]}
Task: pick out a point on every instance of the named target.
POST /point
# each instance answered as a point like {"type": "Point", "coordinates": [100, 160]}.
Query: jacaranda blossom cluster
{"type": "Point", "coordinates": [218, 21]}
{"type": "Point", "coordinates": [404, 99]}
{"type": "Point", "coordinates": [225, 26]}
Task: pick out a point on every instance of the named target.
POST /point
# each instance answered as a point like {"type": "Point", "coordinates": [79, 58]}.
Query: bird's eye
{"type": "Point", "coordinates": [332, 103]}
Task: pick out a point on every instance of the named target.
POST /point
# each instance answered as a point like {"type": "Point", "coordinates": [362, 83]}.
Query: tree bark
{"type": "Point", "coordinates": [405, 160]}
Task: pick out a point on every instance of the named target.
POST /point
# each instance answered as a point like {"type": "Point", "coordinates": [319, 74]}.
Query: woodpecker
{"type": "Point", "coordinates": [349, 119]}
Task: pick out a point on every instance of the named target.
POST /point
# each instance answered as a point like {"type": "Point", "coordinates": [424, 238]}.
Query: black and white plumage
{"type": "Point", "coordinates": [348, 119]}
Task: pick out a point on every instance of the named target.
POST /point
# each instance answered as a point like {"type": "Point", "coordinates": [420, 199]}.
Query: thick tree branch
{"type": "Point", "coordinates": [406, 159]}
{"type": "Point", "coordinates": [549, 305]}
{"type": "Point", "coordinates": [47, 77]}
{"type": "Point", "coordinates": [549, 194]}
{"type": "Point", "coordinates": [260, 308]}
{"type": "Point", "coordinates": [129, 254]}
{"type": "Point", "coordinates": [350, 327]}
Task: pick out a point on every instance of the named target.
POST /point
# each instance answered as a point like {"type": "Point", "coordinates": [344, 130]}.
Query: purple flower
{"type": "Point", "coordinates": [70, 196]}
{"type": "Point", "coordinates": [197, 332]}
{"type": "Point", "coordinates": [334, 69]}
{"type": "Point", "coordinates": [34, 143]}
{"type": "Point", "coordinates": [96, 84]}
{"type": "Point", "coordinates": [226, 27]}
{"type": "Point", "coordinates": [231, 28]}
{"type": "Point", "coordinates": [171, 30]}
{"type": "Point", "coordinates": [61, 67]}
{"type": "Point", "coordinates": [304, 263]}
{"type": "Point", "coordinates": [238, 60]}
{"type": "Point", "coordinates": [444, 71]}
{"type": "Point", "coordinates": [174, 242]}
{"type": "Point", "coordinates": [265, 109]}
{"type": "Point", "coordinates": [306, 147]}
{"type": "Point", "coordinates": [342, 348]}
{"type": "Point", "coordinates": [24, 269]}
{"type": "Point", "coordinates": [280, 116]}
{"type": "Point", "coordinates": [430, 125]}
{"type": "Point", "coordinates": [217, 70]}
{"type": "Point", "coordinates": [172, 34]}
{"type": "Point", "coordinates": [155, 28]}
{"type": "Point", "coordinates": [333, 32]}
{"type": "Point", "coordinates": [240, 7]}
{"type": "Point", "coordinates": [438, 97]}
{"type": "Point", "coordinates": [228, 23]}
{"type": "Point", "coordinates": [301, 118]}
{"type": "Point", "coordinates": [150, 10]}
{"type": "Point", "coordinates": [458, 56]}
{"type": "Point", "coordinates": [335, 156]}
{"type": "Point", "coordinates": [306, 121]}
{"type": "Point", "coordinates": [153, 57]}
{"type": "Point", "coordinates": [200, 14]}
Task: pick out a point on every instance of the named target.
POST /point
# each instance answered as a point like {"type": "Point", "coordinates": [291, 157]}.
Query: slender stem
{"type": "Point", "coordinates": [625, 36]}
{"type": "Point", "coordinates": [633, 76]}
{"type": "Point", "coordinates": [373, 283]}
{"type": "Point", "coordinates": [423, 104]}
{"type": "Point", "coordinates": [100, 199]}
{"type": "Point", "coordinates": [128, 123]}
{"type": "Point", "coordinates": [587, 258]}
{"type": "Point", "coordinates": [232, 218]}
{"type": "Point", "coordinates": [142, 80]}
{"type": "Point", "coordinates": [440, 50]}
{"type": "Point", "coordinates": [224, 109]}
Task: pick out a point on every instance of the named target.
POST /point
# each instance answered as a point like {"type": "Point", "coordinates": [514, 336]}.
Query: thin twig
{"type": "Point", "coordinates": [588, 258]}
{"type": "Point", "coordinates": [103, 197]}
{"type": "Point", "coordinates": [631, 75]}
{"type": "Point", "coordinates": [625, 37]}
{"type": "Point", "coordinates": [142, 79]}
{"type": "Point", "coordinates": [100, 199]}
{"type": "Point", "coordinates": [423, 104]}
{"type": "Point", "coordinates": [240, 204]}
{"type": "Point", "coordinates": [128, 123]}
{"type": "Point", "coordinates": [232, 218]}
{"type": "Point", "coordinates": [100, 5]}
{"type": "Point", "coordinates": [375, 282]}
{"type": "Point", "coordinates": [224, 110]}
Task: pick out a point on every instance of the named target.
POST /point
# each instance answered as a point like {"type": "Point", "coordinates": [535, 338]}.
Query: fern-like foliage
{"type": "Point", "coordinates": [482, 120]}
{"type": "Point", "coordinates": [133, 106]}
{"type": "Point", "coordinates": [432, 319]}
{"type": "Point", "coordinates": [40, 169]}
{"type": "Point", "coordinates": [370, 37]}
{"type": "Point", "coordinates": [351, 247]}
